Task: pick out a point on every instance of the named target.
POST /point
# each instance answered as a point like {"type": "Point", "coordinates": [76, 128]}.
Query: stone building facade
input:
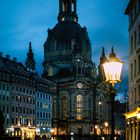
{"type": "Point", "coordinates": [43, 108]}
{"type": "Point", "coordinates": [132, 121]}
{"type": "Point", "coordinates": [19, 87]}
{"type": "Point", "coordinates": [68, 62]}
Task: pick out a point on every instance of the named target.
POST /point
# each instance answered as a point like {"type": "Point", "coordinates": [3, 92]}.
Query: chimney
{"type": "Point", "coordinates": [15, 59]}
{"type": "Point", "coordinates": [8, 57]}
{"type": "Point", "coordinates": [0, 54]}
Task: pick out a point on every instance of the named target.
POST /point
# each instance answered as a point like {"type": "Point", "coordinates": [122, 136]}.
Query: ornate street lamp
{"type": "Point", "coordinates": [112, 69]}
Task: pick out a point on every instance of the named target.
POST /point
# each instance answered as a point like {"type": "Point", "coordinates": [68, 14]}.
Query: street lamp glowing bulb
{"type": "Point", "coordinates": [113, 71]}
{"type": "Point", "coordinates": [106, 124]}
{"type": "Point", "coordinates": [96, 126]}
{"type": "Point", "coordinates": [112, 68]}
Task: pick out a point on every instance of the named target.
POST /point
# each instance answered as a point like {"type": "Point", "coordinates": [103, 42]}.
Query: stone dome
{"type": "Point", "coordinates": [65, 31]}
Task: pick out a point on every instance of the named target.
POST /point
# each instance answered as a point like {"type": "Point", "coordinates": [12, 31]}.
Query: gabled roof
{"type": "Point", "coordinates": [130, 6]}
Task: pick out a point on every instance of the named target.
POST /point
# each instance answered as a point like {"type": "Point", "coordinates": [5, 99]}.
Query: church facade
{"type": "Point", "coordinates": [68, 62]}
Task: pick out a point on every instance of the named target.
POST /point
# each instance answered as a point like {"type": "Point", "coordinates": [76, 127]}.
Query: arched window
{"type": "Point", "coordinates": [64, 107]}
{"type": "Point", "coordinates": [50, 71]}
{"type": "Point", "coordinates": [101, 105]}
{"type": "Point", "coordinates": [73, 43]}
{"type": "Point", "coordinates": [66, 7]}
{"type": "Point", "coordinates": [79, 70]}
{"type": "Point", "coordinates": [79, 100]}
{"type": "Point", "coordinates": [72, 7]}
{"type": "Point", "coordinates": [63, 7]}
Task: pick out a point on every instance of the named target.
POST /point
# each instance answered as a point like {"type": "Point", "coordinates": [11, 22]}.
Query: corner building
{"type": "Point", "coordinates": [68, 62]}
{"type": "Point", "coordinates": [132, 117]}
{"type": "Point", "coordinates": [25, 98]}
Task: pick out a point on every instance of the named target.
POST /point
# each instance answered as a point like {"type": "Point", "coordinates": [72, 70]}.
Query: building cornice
{"type": "Point", "coordinates": [132, 113]}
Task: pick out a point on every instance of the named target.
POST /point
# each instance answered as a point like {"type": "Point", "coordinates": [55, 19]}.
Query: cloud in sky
{"type": "Point", "coordinates": [22, 21]}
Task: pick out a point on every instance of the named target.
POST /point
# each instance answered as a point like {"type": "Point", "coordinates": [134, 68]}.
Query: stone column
{"type": "Point", "coordinates": [127, 129]}
{"type": "Point", "coordinates": [133, 130]}
{"type": "Point", "coordinates": [130, 130]}
{"type": "Point", "coordinates": [138, 128]}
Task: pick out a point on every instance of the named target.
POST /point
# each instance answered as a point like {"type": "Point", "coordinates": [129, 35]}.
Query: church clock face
{"type": "Point", "coordinates": [80, 85]}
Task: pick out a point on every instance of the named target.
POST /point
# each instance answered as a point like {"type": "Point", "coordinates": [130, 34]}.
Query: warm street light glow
{"type": "Point", "coordinates": [106, 124]}
{"type": "Point", "coordinates": [96, 126]}
{"type": "Point", "coordinates": [113, 71]}
{"type": "Point", "coordinates": [99, 102]}
{"type": "Point", "coordinates": [52, 130]}
{"type": "Point", "coordinates": [113, 68]}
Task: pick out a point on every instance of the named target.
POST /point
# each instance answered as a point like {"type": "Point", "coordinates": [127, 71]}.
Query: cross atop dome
{"type": "Point", "coordinates": [67, 10]}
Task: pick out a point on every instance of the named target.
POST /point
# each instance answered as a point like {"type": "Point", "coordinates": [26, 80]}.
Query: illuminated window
{"type": "Point", "coordinates": [79, 105]}
{"type": "Point", "coordinates": [63, 18]}
{"type": "Point", "coordinates": [73, 43]}
{"type": "Point", "coordinates": [63, 7]}
{"type": "Point", "coordinates": [79, 109]}
{"type": "Point", "coordinates": [79, 116]}
{"type": "Point", "coordinates": [50, 71]}
{"type": "Point", "coordinates": [64, 107]}
{"type": "Point", "coordinates": [79, 98]}
{"type": "Point", "coordinates": [75, 19]}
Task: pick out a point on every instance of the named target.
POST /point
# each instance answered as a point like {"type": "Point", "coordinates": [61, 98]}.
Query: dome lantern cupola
{"type": "Point", "coordinates": [67, 10]}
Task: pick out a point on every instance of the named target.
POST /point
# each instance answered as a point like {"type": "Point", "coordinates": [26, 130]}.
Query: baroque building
{"type": "Point", "coordinates": [43, 108]}
{"type": "Point", "coordinates": [21, 88]}
{"type": "Point", "coordinates": [132, 117]}
{"type": "Point", "coordinates": [68, 62]}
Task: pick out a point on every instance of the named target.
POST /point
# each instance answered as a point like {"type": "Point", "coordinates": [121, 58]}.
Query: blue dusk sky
{"type": "Point", "coordinates": [22, 21]}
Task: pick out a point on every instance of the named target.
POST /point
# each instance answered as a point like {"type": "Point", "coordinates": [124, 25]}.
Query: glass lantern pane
{"type": "Point", "coordinates": [112, 71]}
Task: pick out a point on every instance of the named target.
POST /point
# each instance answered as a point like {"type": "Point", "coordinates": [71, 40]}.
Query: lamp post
{"type": "Point", "coordinates": [100, 115]}
{"type": "Point", "coordinates": [112, 69]}
{"type": "Point", "coordinates": [106, 125]}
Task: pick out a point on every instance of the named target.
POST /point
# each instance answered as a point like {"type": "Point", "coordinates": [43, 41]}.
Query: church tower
{"type": "Point", "coordinates": [30, 62]}
{"type": "Point", "coordinates": [68, 62]}
{"type": "Point", "coordinates": [100, 67]}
